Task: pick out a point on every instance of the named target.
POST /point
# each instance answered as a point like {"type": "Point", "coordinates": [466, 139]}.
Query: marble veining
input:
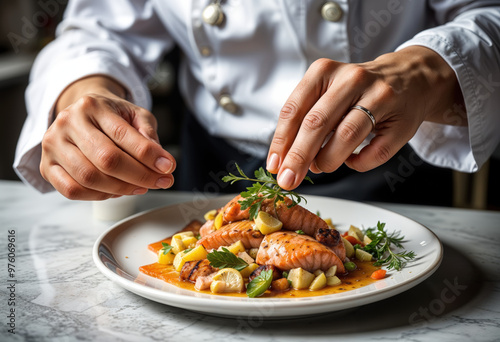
{"type": "Point", "coordinates": [61, 295]}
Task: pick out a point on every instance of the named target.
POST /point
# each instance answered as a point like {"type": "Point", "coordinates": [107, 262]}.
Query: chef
{"type": "Point", "coordinates": [295, 85]}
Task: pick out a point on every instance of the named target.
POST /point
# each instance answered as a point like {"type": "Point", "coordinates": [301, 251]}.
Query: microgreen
{"type": "Point", "coordinates": [166, 248]}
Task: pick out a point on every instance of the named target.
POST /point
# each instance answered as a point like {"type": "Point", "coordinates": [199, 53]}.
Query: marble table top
{"type": "Point", "coordinates": [56, 293]}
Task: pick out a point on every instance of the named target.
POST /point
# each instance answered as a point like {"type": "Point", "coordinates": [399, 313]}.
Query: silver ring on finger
{"type": "Point", "coordinates": [368, 114]}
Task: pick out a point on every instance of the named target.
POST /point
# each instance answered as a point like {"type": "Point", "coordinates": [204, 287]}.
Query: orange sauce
{"type": "Point", "coordinates": [353, 280]}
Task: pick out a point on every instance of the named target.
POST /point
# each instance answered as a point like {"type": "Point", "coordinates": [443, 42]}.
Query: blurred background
{"type": "Point", "coordinates": [26, 26]}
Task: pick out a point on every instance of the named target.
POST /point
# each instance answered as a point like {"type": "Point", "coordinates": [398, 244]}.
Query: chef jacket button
{"type": "Point", "coordinates": [205, 51]}
{"type": "Point", "coordinates": [213, 15]}
{"type": "Point", "coordinates": [331, 11]}
{"type": "Point", "coordinates": [227, 103]}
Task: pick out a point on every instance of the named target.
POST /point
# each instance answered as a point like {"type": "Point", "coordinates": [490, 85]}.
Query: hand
{"type": "Point", "coordinates": [102, 146]}
{"type": "Point", "coordinates": [400, 89]}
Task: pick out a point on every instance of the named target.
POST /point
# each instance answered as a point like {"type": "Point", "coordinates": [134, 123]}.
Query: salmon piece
{"type": "Point", "coordinates": [230, 233]}
{"type": "Point", "coordinates": [287, 250]}
{"type": "Point", "coordinates": [207, 228]}
{"type": "Point", "coordinates": [331, 238]}
{"type": "Point", "coordinates": [204, 282]}
{"type": "Point", "coordinates": [232, 212]}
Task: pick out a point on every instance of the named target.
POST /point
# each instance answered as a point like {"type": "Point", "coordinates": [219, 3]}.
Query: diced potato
{"type": "Point", "coordinates": [218, 220]}
{"type": "Point", "coordinates": [349, 249]}
{"type": "Point", "coordinates": [166, 259]}
{"type": "Point", "coordinates": [355, 232]}
{"type": "Point", "coordinates": [185, 234]}
{"type": "Point", "coordinates": [253, 252]}
{"type": "Point", "coordinates": [245, 273]}
{"type": "Point", "coordinates": [181, 258]}
{"type": "Point", "coordinates": [246, 257]}
{"type": "Point", "coordinates": [362, 255]}
{"type": "Point", "coordinates": [177, 244]}
{"type": "Point", "coordinates": [300, 278]}
{"type": "Point", "coordinates": [318, 283]}
{"type": "Point", "coordinates": [366, 240]}
{"type": "Point", "coordinates": [330, 223]}
{"type": "Point", "coordinates": [236, 247]}
{"type": "Point", "coordinates": [318, 272]}
{"type": "Point", "coordinates": [266, 223]}
{"type": "Point", "coordinates": [333, 281]}
{"type": "Point", "coordinates": [331, 271]}
{"type": "Point", "coordinates": [210, 215]}
{"type": "Point", "coordinates": [190, 242]}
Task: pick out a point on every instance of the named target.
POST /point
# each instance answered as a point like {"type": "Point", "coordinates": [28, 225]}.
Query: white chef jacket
{"type": "Point", "coordinates": [259, 54]}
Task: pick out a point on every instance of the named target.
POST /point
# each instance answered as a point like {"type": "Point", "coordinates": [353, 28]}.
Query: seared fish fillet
{"type": "Point", "coordinates": [230, 233]}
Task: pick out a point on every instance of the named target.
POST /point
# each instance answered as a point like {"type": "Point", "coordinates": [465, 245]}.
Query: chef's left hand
{"type": "Point", "coordinates": [401, 90]}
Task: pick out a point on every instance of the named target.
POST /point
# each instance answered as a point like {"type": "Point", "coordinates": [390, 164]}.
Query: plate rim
{"type": "Point", "coordinates": [316, 303]}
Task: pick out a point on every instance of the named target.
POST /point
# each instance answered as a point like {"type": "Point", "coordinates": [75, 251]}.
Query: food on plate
{"type": "Point", "coordinates": [264, 243]}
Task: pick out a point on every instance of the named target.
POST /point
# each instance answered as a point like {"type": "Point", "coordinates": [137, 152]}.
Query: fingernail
{"type": "Point", "coordinates": [164, 182]}
{"type": "Point", "coordinates": [164, 165]}
{"type": "Point", "coordinates": [273, 163]}
{"type": "Point", "coordinates": [140, 191]}
{"type": "Point", "coordinates": [286, 179]}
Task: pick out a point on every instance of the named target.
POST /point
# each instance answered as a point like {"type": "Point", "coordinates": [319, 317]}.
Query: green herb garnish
{"type": "Point", "coordinates": [260, 284]}
{"type": "Point", "coordinates": [166, 248]}
{"type": "Point", "coordinates": [187, 250]}
{"type": "Point", "coordinates": [226, 259]}
{"type": "Point", "coordinates": [300, 232]}
{"type": "Point", "coordinates": [265, 187]}
{"type": "Point", "coordinates": [381, 248]}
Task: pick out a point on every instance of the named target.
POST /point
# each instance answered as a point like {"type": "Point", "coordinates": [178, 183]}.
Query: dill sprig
{"type": "Point", "coordinates": [264, 187]}
{"type": "Point", "coordinates": [381, 248]}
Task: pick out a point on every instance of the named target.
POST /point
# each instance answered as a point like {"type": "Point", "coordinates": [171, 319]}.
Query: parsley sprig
{"type": "Point", "coordinates": [382, 250]}
{"type": "Point", "coordinates": [265, 187]}
{"type": "Point", "coordinates": [226, 259]}
{"type": "Point", "coordinates": [166, 248]}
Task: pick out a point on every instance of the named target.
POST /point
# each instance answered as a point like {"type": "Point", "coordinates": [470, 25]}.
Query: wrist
{"type": "Point", "coordinates": [98, 84]}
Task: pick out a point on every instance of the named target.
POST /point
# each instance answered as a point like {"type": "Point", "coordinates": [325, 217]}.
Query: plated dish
{"type": "Point", "coordinates": [120, 251]}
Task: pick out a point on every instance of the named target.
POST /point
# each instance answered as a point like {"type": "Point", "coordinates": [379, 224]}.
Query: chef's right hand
{"type": "Point", "coordinates": [101, 146]}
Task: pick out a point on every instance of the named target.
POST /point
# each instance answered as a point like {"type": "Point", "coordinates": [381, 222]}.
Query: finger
{"type": "Point", "coordinates": [380, 149]}
{"type": "Point", "coordinates": [89, 177]}
{"type": "Point", "coordinates": [113, 161]}
{"type": "Point", "coordinates": [316, 126]}
{"type": "Point", "coordinates": [348, 135]}
{"type": "Point", "coordinates": [302, 99]}
{"type": "Point", "coordinates": [69, 188]}
{"type": "Point", "coordinates": [140, 141]}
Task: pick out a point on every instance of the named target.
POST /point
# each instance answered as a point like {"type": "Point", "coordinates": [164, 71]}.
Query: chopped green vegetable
{"type": "Point", "coordinates": [188, 250]}
{"type": "Point", "coordinates": [380, 248]}
{"type": "Point", "coordinates": [265, 187]}
{"type": "Point", "coordinates": [166, 248]}
{"type": "Point", "coordinates": [226, 259]}
{"type": "Point", "coordinates": [260, 284]}
{"type": "Point", "coordinates": [301, 232]}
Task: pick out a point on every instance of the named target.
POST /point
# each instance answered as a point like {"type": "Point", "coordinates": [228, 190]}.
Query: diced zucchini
{"type": "Point", "coordinates": [177, 244]}
{"type": "Point", "coordinates": [210, 215]}
{"type": "Point", "coordinates": [300, 278]}
{"type": "Point", "coordinates": [333, 281]}
{"type": "Point", "coordinates": [362, 255]}
{"type": "Point", "coordinates": [245, 273]}
{"type": "Point", "coordinates": [318, 272]}
{"type": "Point", "coordinates": [349, 249]}
{"type": "Point", "coordinates": [355, 232]}
{"type": "Point", "coordinates": [166, 259]}
{"type": "Point", "coordinates": [331, 271]}
{"type": "Point", "coordinates": [197, 253]}
{"type": "Point", "coordinates": [236, 247]}
{"type": "Point", "coordinates": [318, 283]}
{"type": "Point", "coordinates": [253, 252]}
{"type": "Point", "coordinates": [189, 242]}
{"type": "Point", "coordinates": [366, 240]}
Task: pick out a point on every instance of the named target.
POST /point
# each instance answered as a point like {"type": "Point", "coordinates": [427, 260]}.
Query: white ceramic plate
{"type": "Point", "coordinates": [121, 250]}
